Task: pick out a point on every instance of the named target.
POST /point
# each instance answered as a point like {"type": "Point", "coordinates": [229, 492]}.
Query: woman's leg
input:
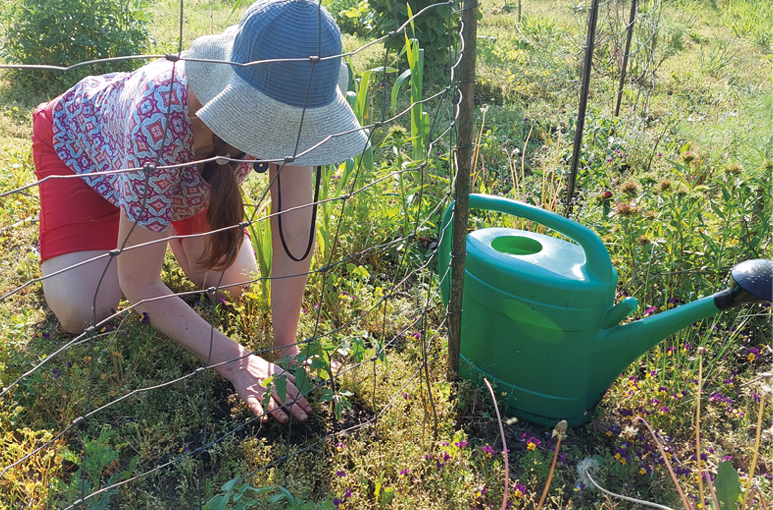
{"type": "Point", "coordinates": [82, 294]}
{"type": "Point", "coordinates": [76, 224]}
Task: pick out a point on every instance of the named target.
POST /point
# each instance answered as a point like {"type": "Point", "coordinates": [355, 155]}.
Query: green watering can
{"type": "Point", "coordinates": [538, 315]}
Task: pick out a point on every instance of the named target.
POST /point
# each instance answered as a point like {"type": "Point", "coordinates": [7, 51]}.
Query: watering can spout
{"type": "Point", "coordinates": [621, 345]}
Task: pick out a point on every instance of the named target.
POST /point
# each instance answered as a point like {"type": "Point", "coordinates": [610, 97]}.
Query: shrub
{"type": "Point", "coordinates": [350, 15]}
{"type": "Point", "coordinates": [66, 32]}
{"type": "Point", "coordinates": [435, 28]}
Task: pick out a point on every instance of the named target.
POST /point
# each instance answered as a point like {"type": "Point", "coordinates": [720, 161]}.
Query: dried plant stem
{"type": "Point", "coordinates": [559, 430]}
{"type": "Point", "coordinates": [762, 497]}
{"type": "Point", "coordinates": [476, 153]}
{"type": "Point", "coordinates": [756, 450]}
{"type": "Point", "coordinates": [514, 169]}
{"type": "Point", "coordinates": [685, 502]}
{"type": "Point", "coordinates": [713, 492]}
{"type": "Point", "coordinates": [504, 444]}
{"type": "Point", "coordinates": [698, 430]}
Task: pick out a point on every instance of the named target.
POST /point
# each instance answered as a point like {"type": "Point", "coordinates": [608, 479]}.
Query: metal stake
{"type": "Point", "coordinates": [586, 70]}
{"type": "Point", "coordinates": [628, 38]}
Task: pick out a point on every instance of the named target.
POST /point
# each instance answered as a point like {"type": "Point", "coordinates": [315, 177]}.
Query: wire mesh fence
{"type": "Point", "coordinates": [375, 221]}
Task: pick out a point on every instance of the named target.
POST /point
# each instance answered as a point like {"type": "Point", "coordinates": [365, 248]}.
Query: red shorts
{"type": "Point", "coordinates": [74, 217]}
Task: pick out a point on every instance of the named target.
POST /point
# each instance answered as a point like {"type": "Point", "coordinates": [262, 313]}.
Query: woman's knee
{"type": "Point", "coordinates": [75, 319]}
{"type": "Point", "coordinates": [80, 295]}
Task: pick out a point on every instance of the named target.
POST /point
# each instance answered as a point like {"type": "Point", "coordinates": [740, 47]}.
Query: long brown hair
{"type": "Point", "coordinates": [225, 210]}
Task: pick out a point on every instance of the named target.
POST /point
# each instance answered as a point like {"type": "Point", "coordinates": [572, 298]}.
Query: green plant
{"type": "Point", "coordinates": [242, 495]}
{"type": "Point", "coordinates": [420, 123]}
{"type": "Point", "coordinates": [350, 16]}
{"type": "Point", "coordinates": [99, 457]}
{"type": "Point", "coordinates": [539, 27]}
{"type": "Point", "coordinates": [718, 56]}
{"type": "Point", "coordinates": [67, 32]}
{"type": "Point", "coordinates": [260, 236]}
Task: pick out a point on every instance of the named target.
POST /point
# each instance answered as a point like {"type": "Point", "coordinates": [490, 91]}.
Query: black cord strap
{"type": "Point", "coordinates": [312, 227]}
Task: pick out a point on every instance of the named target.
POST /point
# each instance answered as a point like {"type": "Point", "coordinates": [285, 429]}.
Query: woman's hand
{"type": "Point", "coordinates": [248, 375]}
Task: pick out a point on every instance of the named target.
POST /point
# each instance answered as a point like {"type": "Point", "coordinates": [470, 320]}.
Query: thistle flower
{"type": "Point", "coordinates": [734, 169]}
{"type": "Point", "coordinates": [664, 185]}
{"type": "Point", "coordinates": [629, 188]}
{"type": "Point", "coordinates": [624, 209]}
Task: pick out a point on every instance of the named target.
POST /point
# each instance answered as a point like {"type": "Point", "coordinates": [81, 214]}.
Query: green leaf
{"type": "Point", "coordinates": [236, 6]}
{"type": "Point", "coordinates": [327, 395]}
{"type": "Point", "coordinates": [398, 85]}
{"type": "Point", "coordinates": [289, 497]}
{"type": "Point", "coordinates": [217, 503]}
{"type": "Point", "coordinates": [728, 485]}
{"type": "Point", "coordinates": [281, 387]}
{"type": "Point", "coordinates": [361, 105]}
{"type": "Point", "coordinates": [229, 485]}
{"type": "Point", "coordinates": [387, 496]}
{"type": "Point", "coordinates": [302, 381]}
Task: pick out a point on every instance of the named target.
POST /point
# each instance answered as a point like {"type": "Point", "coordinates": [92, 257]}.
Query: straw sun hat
{"type": "Point", "coordinates": [278, 109]}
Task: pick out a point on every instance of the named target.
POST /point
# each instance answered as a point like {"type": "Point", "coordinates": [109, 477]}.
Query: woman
{"type": "Point", "coordinates": [175, 112]}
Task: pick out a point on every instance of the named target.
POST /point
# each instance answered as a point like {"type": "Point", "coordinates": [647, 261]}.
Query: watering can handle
{"type": "Point", "coordinates": [597, 258]}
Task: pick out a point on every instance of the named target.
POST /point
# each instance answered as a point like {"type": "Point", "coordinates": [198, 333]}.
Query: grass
{"type": "Point", "coordinates": [677, 187]}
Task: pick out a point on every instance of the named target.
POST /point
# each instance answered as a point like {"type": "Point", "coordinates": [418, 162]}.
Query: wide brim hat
{"type": "Point", "coordinates": [288, 103]}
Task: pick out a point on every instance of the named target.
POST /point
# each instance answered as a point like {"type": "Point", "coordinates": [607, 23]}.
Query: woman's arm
{"type": "Point", "coordinates": [287, 290]}
{"type": "Point", "coordinates": [139, 273]}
